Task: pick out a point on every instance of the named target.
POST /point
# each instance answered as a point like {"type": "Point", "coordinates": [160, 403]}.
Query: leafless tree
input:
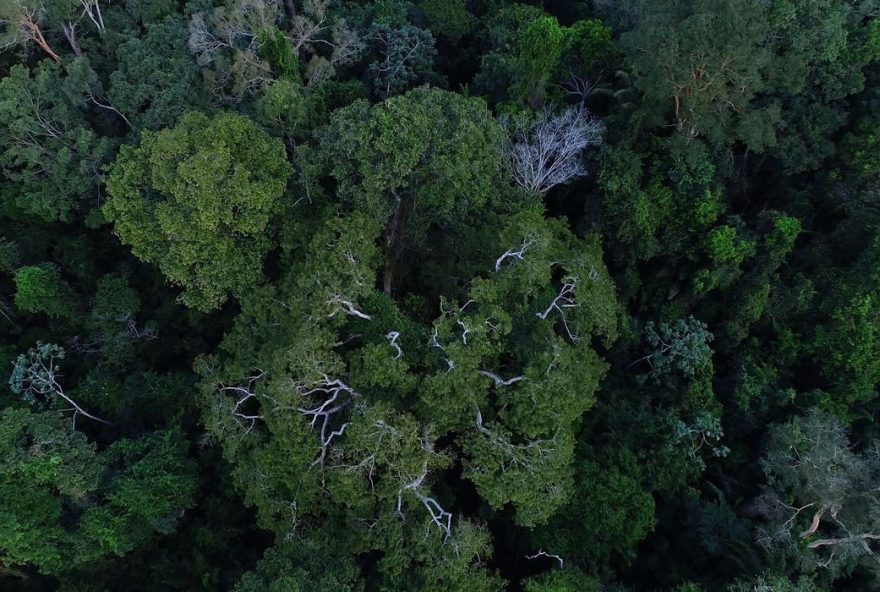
{"type": "Point", "coordinates": [401, 49]}
{"type": "Point", "coordinates": [313, 30]}
{"type": "Point", "coordinates": [822, 494]}
{"type": "Point", "coordinates": [228, 38]}
{"type": "Point", "coordinates": [547, 152]}
{"type": "Point", "coordinates": [579, 87]}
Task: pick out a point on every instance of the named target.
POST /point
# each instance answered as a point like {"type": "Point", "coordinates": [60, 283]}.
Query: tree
{"type": "Point", "coordinates": [658, 203]}
{"type": "Point", "coordinates": [277, 571]}
{"type": "Point", "coordinates": [565, 580]}
{"type": "Point", "coordinates": [845, 351]}
{"type": "Point", "coordinates": [548, 152]}
{"type": "Point", "coordinates": [40, 289]}
{"type": "Point", "coordinates": [705, 62]}
{"type": "Point", "coordinates": [530, 51]}
{"type": "Point", "coordinates": [407, 56]}
{"type": "Point", "coordinates": [67, 505]}
{"type": "Point", "coordinates": [609, 513]}
{"type": "Point", "coordinates": [47, 150]}
{"type": "Point", "coordinates": [450, 19]}
{"type": "Point", "coordinates": [157, 80]}
{"type": "Point", "coordinates": [681, 346]}
{"type": "Point", "coordinates": [821, 499]}
{"type": "Point", "coordinates": [197, 199]}
{"type": "Point", "coordinates": [429, 157]}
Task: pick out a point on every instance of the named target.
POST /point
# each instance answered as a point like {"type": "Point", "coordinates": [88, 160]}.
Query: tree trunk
{"type": "Point", "coordinates": [392, 240]}
{"type": "Point", "coordinates": [290, 8]}
{"type": "Point", "coordinates": [70, 34]}
{"type": "Point", "coordinates": [38, 38]}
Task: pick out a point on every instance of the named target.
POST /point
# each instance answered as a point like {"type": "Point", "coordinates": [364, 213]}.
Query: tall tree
{"type": "Point", "coordinates": [197, 199]}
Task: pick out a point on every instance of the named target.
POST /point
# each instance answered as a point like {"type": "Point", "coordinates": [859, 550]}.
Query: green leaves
{"type": "Point", "coordinates": [157, 80]}
{"type": "Point", "coordinates": [40, 289]}
{"type": "Point", "coordinates": [48, 151]}
{"type": "Point", "coordinates": [196, 200]}
{"type": "Point", "coordinates": [433, 148]}
{"type": "Point", "coordinates": [67, 504]}
{"type": "Point", "coordinates": [682, 346]}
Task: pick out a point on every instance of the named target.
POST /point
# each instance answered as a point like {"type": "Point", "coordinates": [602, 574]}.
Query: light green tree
{"type": "Point", "coordinates": [197, 200]}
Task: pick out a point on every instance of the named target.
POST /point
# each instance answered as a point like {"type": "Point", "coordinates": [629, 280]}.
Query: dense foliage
{"type": "Point", "coordinates": [440, 295]}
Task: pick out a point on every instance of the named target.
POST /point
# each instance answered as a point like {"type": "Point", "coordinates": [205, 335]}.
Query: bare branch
{"type": "Point", "coordinates": [92, 9]}
{"type": "Point", "coordinates": [36, 376]}
{"type": "Point", "coordinates": [517, 254]}
{"type": "Point", "coordinates": [244, 394]}
{"type": "Point", "coordinates": [439, 517]}
{"type": "Point", "coordinates": [850, 539]}
{"type": "Point", "coordinates": [565, 299]}
{"type": "Point", "coordinates": [346, 306]}
{"type": "Point", "coordinates": [541, 553]}
{"type": "Point", "coordinates": [392, 337]}
{"type": "Point", "coordinates": [500, 381]}
{"type": "Point", "coordinates": [327, 399]}
{"type": "Point", "coordinates": [548, 152]}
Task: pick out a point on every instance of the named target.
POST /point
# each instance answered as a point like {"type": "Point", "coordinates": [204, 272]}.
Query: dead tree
{"type": "Point", "coordinates": [69, 30]}
{"type": "Point", "coordinates": [312, 29]}
{"type": "Point", "coordinates": [229, 39]}
{"type": "Point", "coordinates": [548, 152]}
{"type": "Point", "coordinates": [92, 9]}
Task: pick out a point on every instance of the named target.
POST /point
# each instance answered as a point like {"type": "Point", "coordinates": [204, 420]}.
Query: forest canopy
{"type": "Point", "coordinates": [440, 295]}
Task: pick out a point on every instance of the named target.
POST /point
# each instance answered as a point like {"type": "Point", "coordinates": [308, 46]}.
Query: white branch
{"type": "Point", "coordinates": [244, 394]}
{"type": "Point", "coordinates": [518, 254]}
{"type": "Point", "coordinates": [500, 381]}
{"type": "Point", "coordinates": [440, 517]}
{"type": "Point", "coordinates": [565, 299]}
{"type": "Point", "coordinates": [327, 398]}
{"type": "Point", "coordinates": [41, 377]}
{"type": "Point", "coordinates": [348, 307]}
{"type": "Point", "coordinates": [548, 153]}
{"type": "Point", "coordinates": [541, 553]}
{"type": "Point", "coordinates": [392, 337]}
